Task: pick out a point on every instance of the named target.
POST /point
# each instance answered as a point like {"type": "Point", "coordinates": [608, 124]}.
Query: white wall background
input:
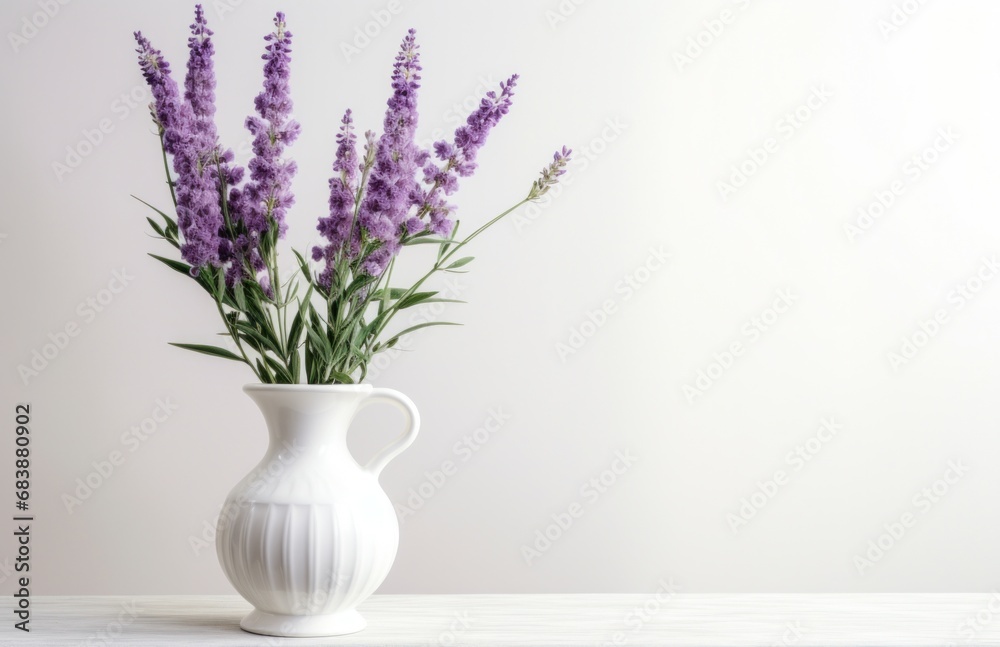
{"type": "Point", "coordinates": [652, 185]}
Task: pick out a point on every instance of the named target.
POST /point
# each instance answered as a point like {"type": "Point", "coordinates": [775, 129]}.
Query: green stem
{"type": "Point", "coordinates": [166, 168]}
{"type": "Point", "coordinates": [393, 309]}
{"type": "Point", "coordinates": [236, 338]}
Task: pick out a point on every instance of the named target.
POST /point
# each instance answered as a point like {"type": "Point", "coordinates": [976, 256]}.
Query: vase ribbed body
{"type": "Point", "coordinates": [308, 534]}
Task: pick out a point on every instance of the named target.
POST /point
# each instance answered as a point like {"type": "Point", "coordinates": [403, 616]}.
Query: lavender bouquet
{"type": "Point", "coordinates": [327, 321]}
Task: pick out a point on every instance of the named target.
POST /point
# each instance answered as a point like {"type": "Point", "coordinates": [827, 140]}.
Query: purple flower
{"type": "Point", "coordinates": [392, 187]}
{"type": "Point", "coordinates": [550, 174]}
{"type": "Point", "coordinates": [199, 85]}
{"type": "Point", "coordinates": [261, 205]}
{"type": "Point", "coordinates": [337, 228]}
{"type": "Point", "coordinates": [269, 192]}
{"type": "Point", "coordinates": [198, 214]}
{"type": "Point", "coordinates": [460, 158]}
{"type": "Point", "coordinates": [168, 108]}
{"type": "Point", "coordinates": [199, 92]}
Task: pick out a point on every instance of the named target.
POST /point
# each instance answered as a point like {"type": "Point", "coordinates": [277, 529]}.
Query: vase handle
{"type": "Point", "coordinates": [401, 442]}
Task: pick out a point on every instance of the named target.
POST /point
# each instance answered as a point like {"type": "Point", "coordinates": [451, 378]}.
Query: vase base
{"type": "Point", "coordinates": [276, 624]}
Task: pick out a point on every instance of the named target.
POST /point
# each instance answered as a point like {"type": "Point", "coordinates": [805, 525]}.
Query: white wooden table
{"type": "Point", "coordinates": [508, 620]}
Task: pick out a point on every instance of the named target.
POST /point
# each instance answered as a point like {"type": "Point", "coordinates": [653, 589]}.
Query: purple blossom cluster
{"type": "Point", "coordinates": [337, 227]}
{"type": "Point", "coordinates": [261, 206]}
{"type": "Point", "coordinates": [459, 158]}
{"type": "Point", "coordinates": [394, 205]}
{"type": "Point", "coordinates": [392, 184]}
{"type": "Point", "coordinates": [198, 215]}
{"type": "Point", "coordinates": [378, 202]}
{"type": "Point", "coordinates": [549, 176]}
{"type": "Point", "coordinates": [224, 223]}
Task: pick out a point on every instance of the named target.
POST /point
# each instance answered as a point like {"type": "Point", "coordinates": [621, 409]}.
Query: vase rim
{"type": "Point", "coordinates": [307, 388]}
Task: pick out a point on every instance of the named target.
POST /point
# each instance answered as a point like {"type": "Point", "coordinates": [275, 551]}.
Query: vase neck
{"type": "Point", "coordinates": [307, 419]}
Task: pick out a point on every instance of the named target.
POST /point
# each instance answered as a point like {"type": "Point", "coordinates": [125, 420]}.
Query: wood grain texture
{"type": "Point", "coordinates": [509, 620]}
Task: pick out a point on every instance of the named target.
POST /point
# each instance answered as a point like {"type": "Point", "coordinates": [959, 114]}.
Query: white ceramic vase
{"type": "Point", "coordinates": [309, 533]}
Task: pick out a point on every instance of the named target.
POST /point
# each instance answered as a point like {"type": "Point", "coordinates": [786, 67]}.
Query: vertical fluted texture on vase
{"type": "Point", "coordinates": [304, 559]}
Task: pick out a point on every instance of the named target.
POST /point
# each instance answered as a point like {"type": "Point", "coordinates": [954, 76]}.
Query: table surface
{"type": "Point", "coordinates": [509, 620]}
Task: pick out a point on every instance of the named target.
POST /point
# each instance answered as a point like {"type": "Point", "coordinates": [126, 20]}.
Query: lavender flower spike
{"type": "Point", "coordinates": [196, 191]}
{"type": "Point", "coordinates": [211, 172]}
{"type": "Point", "coordinates": [550, 174]}
{"type": "Point", "coordinates": [460, 157]}
{"type": "Point", "coordinates": [261, 206]}
{"type": "Point", "coordinates": [392, 188]}
{"type": "Point", "coordinates": [168, 108]}
{"type": "Point", "coordinates": [199, 85]}
{"type": "Point", "coordinates": [337, 228]}
{"type": "Point", "coordinates": [200, 95]}
{"type": "Point", "coordinates": [269, 192]}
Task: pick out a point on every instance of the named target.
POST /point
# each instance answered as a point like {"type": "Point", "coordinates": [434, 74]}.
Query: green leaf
{"type": "Point", "coordinates": [418, 298]}
{"type": "Point", "coordinates": [183, 268]}
{"type": "Point", "coordinates": [394, 338]}
{"type": "Point", "coordinates": [262, 341]}
{"type": "Point", "coordinates": [294, 363]}
{"type": "Point", "coordinates": [303, 265]}
{"type": "Point", "coordinates": [310, 365]}
{"type": "Point", "coordinates": [255, 311]}
{"type": "Point", "coordinates": [156, 226]}
{"type": "Point", "coordinates": [357, 344]}
{"type": "Point", "coordinates": [279, 369]}
{"type": "Point", "coordinates": [388, 294]}
{"type": "Point", "coordinates": [413, 299]}
{"type": "Point", "coordinates": [251, 343]}
{"type": "Point", "coordinates": [320, 342]}
{"type": "Point", "coordinates": [384, 301]}
{"type": "Point", "coordinates": [220, 285]}
{"type": "Point", "coordinates": [239, 293]}
{"type": "Point", "coordinates": [215, 351]}
{"type": "Point", "coordinates": [291, 291]}
{"type": "Point", "coordinates": [294, 333]}
{"type": "Point", "coordinates": [465, 260]}
{"type": "Point", "coordinates": [163, 235]}
{"type": "Point", "coordinates": [358, 283]}
{"type": "Point", "coordinates": [262, 373]}
{"type": "Point", "coordinates": [427, 241]}
{"type": "Point", "coordinates": [447, 244]}
{"type": "Point", "coordinates": [341, 377]}
{"type": "Point", "coordinates": [170, 221]}
{"type": "Point", "coordinates": [306, 303]}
